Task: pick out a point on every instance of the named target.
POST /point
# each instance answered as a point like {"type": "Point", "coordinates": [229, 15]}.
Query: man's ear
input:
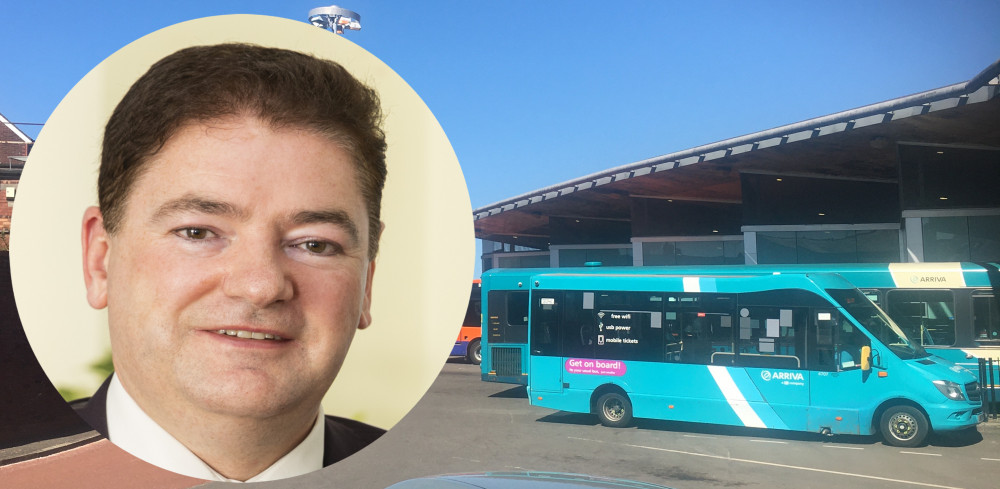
{"type": "Point", "coordinates": [366, 305]}
{"type": "Point", "coordinates": [95, 257]}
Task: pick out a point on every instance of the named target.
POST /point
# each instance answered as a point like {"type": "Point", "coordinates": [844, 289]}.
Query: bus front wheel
{"type": "Point", "coordinates": [614, 410]}
{"type": "Point", "coordinates": [904, 426]}
{"type": "Point", "coordinates": [475, 352]}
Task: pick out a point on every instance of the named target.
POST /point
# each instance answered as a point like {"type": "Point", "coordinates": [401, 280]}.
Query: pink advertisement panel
{"type": "Point", "coordinates": [592, 366]}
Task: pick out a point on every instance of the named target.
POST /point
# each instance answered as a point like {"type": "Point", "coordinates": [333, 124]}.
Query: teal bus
{"type": "Point", "coordinates": [951, 309]}
{"type": "Point", "coordinates": [794, 351]}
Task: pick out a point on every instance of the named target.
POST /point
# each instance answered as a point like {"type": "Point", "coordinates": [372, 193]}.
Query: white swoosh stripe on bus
{"type": "Point", "coordinates": [746, 386]}
{"type": "Point", "coordinates": [734, 397]}
{"type": "Point", "coordinates": [691, 284]}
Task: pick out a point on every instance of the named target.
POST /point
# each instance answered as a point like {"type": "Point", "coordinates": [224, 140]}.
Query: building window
{"type": "Point", "coordinates": [609, 257]}
{"type": "Point", "coordinates": [945, 238]}
{"type": "Point", "coordinates": [776, 247]}
{"type": "Point", "coordinates": [828, 246]}
{"type": "Point", "coordinates": [693, 252]}
{"type": "Point", "coordinates": [538, 260]}
{"type": "Point", "coordinates": [961, 238]}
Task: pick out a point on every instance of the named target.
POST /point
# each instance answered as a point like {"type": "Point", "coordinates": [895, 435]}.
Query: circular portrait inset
{"type": "Point", "coordinates": [246, 244]}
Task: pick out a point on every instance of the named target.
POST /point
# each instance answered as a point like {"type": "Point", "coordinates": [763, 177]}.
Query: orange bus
{"type": "Point", "coordinates": [467, 343]}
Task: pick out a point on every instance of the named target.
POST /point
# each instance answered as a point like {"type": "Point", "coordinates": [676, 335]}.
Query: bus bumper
{"type": "Point", "coordinates": [505, 379]}
{"type": "Point", "coordinates": [951, 417]}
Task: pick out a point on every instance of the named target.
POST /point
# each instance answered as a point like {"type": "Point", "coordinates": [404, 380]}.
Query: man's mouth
{"type": "Point", "coordinates": [249, 335]}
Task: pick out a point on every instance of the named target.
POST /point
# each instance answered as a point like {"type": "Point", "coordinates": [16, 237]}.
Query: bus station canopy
{"type": "Point", "coordinates": [860, 144]}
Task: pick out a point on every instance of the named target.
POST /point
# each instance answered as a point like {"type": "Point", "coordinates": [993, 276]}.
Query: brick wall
{"type": "Point", "coordinates": [11, 145]}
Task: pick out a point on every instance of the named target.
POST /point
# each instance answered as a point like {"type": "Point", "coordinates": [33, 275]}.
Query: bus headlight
{"type": "Point", "coordinates": [950, 389]}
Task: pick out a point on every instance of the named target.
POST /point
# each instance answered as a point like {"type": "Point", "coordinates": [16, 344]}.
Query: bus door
{"type": "Point", "coordinates": [545, 357]}
{"type": "Point", "coordinates": [838, 387]}
{"type": "Point", "coordinates": [505, 331]}
{"type": "Point", "coordinates": [770, 344]}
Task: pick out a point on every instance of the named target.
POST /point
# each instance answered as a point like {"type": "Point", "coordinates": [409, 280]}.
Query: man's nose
{"type": "Point", "coordinates": [256, 273]}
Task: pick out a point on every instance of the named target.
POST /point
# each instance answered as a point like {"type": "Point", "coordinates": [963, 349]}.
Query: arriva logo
{"type": "Point", "coordinates": [921, 279]}
{"type": "Point", "coordinates": [767, 375]}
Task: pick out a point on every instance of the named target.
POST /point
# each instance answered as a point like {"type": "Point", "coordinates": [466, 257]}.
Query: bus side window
{"type": "Point", "coordinates": [986, 319]}
{"type": "Point", "coordinates": [508, 316]}
{"type": "Point", "coordinates": [629, 326]}
{"type": "Point", "coordinates": [771, 328]}
{"type": "Point", "coordinates": [849, 340]}
{"type": "Point", "coordinates": [696, 339]}
{"type": "Point", "coordinates": [546, 322]}
{"type": "Point", "coordinates": [771, 337]}
{"type": "Point", "coordinates": [673, 337]}
{"type": "Point", "coordinates": [821, 344]}
{"type": "Point", "coordinates": [927, 316]}
{"type": "Point", "coordinates": [873, 295]}
{"type": "Point", "coordinates": [578, 326]}
{"type": "Point", "coordinates": [517, 317]}
{"type": "Point", "coordinates": [705, 328]}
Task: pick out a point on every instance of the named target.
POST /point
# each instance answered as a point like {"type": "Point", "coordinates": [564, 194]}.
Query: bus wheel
{"type": "Point", "coordinates": [475, 352]}
{"type": "Point", "coordinates": [614, 410]}
{"type": "Point", "coordinates": [904, 426]}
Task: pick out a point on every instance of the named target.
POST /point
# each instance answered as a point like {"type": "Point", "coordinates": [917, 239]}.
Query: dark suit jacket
{"type": "Point", "coordinates": [341, 438]}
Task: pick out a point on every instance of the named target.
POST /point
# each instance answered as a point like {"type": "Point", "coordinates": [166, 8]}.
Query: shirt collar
{"type": "Point", "coordinates": [132, 430]}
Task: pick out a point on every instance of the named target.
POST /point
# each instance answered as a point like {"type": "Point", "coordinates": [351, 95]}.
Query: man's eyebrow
{"type": "Point", "coordinates": [336, 217]}
{"type": "Point", "coordinates": [190, 203]}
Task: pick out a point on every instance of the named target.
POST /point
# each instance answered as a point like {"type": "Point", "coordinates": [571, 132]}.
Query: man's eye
{"type": "Point", "coordinates": [318, 247]}
{"type": "Point", "coordinates": [193, 233]}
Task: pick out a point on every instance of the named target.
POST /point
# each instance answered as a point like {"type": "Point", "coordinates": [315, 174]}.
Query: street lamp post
{"type": "Point", "coordinates": [335, 18]}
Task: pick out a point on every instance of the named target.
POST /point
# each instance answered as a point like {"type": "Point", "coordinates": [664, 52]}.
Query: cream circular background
{"type": "Point", "coordinates": [424, 269]}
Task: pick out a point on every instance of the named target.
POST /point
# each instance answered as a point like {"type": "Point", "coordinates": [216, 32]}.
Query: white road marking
{"type": "Point", "coordinates": [922, 453]}
{"type": "Point", "coordinates": [845, 448]}
{"type": "Point", "coordinates": [699, 436]}
{"type": "Point", "coordinates": [772, 464]}
{"type": "Point", "coordinates": [991, 459]}
{"type": "Point", "coordinates": [770, 441]}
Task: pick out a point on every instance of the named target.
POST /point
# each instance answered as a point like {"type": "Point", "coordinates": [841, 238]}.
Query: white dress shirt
{"type": "Point", "coordinates": [132, 430]}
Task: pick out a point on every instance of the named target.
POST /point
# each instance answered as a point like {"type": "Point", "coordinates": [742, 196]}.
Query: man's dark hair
{"type": "Point", "coordinates": [282, 88]}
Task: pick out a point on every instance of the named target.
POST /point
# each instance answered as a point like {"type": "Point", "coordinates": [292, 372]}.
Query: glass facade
{"type": "Point", "coordinates": [609, 257]}
{"type": "Point", "coordinates": [942, 194]}
{"type": "Point", "coordinates": [828, 246]}
{"type": "Point", "coordinates": [524, 261]}
{"type": "Point", "coordinates": [713, 252]}
{"type": "Point", "coordinates": [961, 238]}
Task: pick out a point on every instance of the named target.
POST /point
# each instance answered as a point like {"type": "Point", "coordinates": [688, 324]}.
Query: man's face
{"type": "Point", "coordinates": [240, 271]}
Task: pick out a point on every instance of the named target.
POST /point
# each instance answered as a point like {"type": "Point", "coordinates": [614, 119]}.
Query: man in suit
{"type": "Point", "coordinates": [233, 246]}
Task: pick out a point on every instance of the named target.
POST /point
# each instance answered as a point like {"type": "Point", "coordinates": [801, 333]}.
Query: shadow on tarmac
{"type": "Point", "coordinates": [517, 392]}
{"type": "Point", "coordinates": [961, 438]}
{"type": "Point", "coordinates": [946, 439]}
{"type": "Point", "coordinates": [563, 417]}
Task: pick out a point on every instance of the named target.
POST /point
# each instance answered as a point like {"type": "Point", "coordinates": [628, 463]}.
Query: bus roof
{"type": "Point", "coordinates": [570, 279]}
{"type": "Point", "coordinates": [863, 275]}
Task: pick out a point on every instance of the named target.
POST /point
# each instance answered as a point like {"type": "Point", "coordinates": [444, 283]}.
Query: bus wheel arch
{"type": "Point", "coordinates": [902, 423]}
{"type": "Point", "coordinates": [612, 406]}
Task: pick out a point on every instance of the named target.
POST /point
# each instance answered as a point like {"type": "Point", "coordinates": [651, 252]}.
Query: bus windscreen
{"type": "Point", "coordinates": [877, 323]}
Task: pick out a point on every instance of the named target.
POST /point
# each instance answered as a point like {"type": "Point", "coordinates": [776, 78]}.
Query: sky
{"type": "Point", "coordinates": [532, 94]}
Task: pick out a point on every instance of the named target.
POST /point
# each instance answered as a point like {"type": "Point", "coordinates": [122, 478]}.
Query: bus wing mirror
{"type": "Point", "coordinates": [866, 358]}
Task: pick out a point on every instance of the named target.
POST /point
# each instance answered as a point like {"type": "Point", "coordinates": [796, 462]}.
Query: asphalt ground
{"type": "Point", "coordinates": [465, 425]}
